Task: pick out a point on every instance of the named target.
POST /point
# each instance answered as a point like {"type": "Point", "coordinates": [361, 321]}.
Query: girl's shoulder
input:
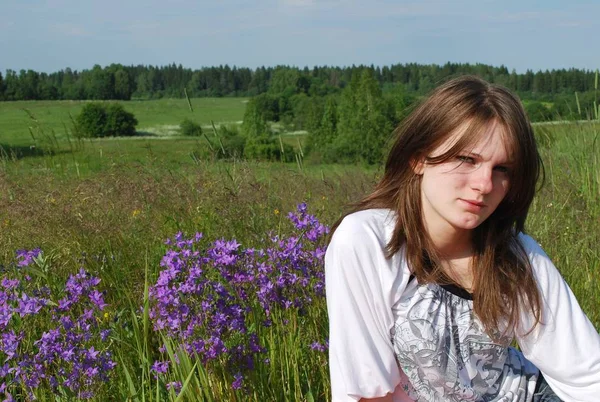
{"type": "Point", "coordinates": [542, 265]}
{"type": "Point", "coordinates": [378, 222]}
{"type": "Point", "coordinates": [366, 234]}
{"type": "Point", "coordinates": [531, 247]}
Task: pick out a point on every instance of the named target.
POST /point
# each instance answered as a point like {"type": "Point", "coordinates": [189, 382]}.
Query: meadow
{"type": "Point", "coordinates": [157, 118]}
{"type": "Point", "coordinates": [117, 221]}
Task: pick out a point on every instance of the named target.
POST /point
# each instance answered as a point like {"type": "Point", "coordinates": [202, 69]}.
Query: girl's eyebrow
{"type": "Point", "coordinates": [475, 154]}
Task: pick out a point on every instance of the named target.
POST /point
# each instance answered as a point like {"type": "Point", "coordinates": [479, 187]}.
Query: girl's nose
{"type": "Point", "coordinates": [483, 180]}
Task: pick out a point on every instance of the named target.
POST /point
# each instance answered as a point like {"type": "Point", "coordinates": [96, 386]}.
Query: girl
{"type": "Point", "coordinates": [430, 278]}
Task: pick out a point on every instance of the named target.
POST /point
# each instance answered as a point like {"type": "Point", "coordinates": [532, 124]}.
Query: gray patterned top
{"type": "Point", "coordinates": [446, 355]}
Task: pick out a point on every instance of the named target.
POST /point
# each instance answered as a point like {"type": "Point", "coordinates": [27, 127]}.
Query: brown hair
{"type": "Point", "coordinates": [503, 277]}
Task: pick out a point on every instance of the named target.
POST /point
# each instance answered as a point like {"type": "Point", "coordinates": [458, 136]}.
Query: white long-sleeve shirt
{"type": "Point", "coordinates": [423, 342]}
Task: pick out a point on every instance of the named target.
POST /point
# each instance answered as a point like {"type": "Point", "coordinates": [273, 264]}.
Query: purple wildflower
{"type": "Point", "coordinates": [205, 300]}
{"type": "Point", "coordinates": [175, 386]}
{"type": "Point", "coordinates": [68, 349]}
{"type": "Point", "coordinates": [26, 257]}
{"type": "Point", "coordinates": [319, 347]}
{"type": "Point", "coordinates": [98, 299]}
{"type": "Point", "coordinates": [238, 380]}
{"type": "Point", "coordinates": [160, 367]}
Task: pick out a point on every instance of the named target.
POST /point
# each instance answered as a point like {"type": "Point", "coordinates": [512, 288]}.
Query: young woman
{"type": "Point", "coordinates": [431, 278]}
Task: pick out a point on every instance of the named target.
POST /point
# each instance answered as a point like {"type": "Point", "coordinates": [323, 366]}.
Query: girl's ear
{"type": "Point", "coordinates": [418, 165]}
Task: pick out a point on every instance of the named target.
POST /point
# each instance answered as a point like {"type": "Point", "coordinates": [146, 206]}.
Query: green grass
{"type": "Point", "coordinates": [125, 210]}
{"type": "Point", "coordinates": [119, 199]}
{"type": "Point", "coordinates": [159, 117]}
{"type": "Point", "coordinates": [565, 216]}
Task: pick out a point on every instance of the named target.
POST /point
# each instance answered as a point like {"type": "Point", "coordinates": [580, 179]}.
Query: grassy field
{"type": "Point", "coordinates": [158, 117]}
{"type": "Point", "coordinates": [109, 205]}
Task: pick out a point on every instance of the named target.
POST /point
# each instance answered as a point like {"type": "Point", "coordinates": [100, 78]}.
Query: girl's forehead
{"type": "Point", "coordinates": [484, 139]}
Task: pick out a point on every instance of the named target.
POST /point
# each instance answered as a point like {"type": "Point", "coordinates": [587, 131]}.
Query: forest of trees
{"type": "Point", "coordinates": [120, 82]}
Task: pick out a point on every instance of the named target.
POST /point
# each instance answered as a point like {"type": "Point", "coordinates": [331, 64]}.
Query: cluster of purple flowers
{"type": "Point", "coordinates": [46, 343]}
{"type": "Point", "coordinates": [207, 301]}
{"type": "Point", "coordinates": [26, 257]}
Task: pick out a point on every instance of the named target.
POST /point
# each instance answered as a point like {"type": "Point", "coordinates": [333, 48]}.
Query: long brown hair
{"type": "Point", "coordinates": [503, 277]}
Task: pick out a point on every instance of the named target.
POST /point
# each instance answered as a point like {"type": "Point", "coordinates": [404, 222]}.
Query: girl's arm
{"type": "Point", "coordinates": [565, 346]}
{"type": "Point", "coordinates": [361, 286]}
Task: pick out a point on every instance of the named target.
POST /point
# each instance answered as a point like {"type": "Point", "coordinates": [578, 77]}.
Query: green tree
{"type": "Point", "coordinates": [259, 142]}
{"type": "Point", "coordinates": [190, 128]}
{"type": "Point", "coordinates": [143, 86]}
{"type": "Point", "coordinates": [322, 129]}
{"type": "Point", "coordinates": [364, 121]}
{"type": "Point", "coordinates": [303, 84]}
{"type": "Point", "coordinates": [329, 122]}
{"type": "Point", "coordinates": [119, 122]}
{"type": "Point", "coordinates": [302, 106]}
{"type": "Point", "coordinates": [537, 111]}
{"type": "Point", "coordinates": [197, 84]}
{"type": "Point", "coordinates": [398, 100]}
{"type": "Point", "coordinates": [29, 82]}
{"type": "Point", "coordinates": [268, 106]}
{"type": "Point", "coordinates": [71, 87]}
{"type": "Point", "coordinates": [48, 91]}
{"type": "Point", "coordinates": [258, 83]}
{"type": "Point", "coordinates": [123, 87]}
{"type": "Point", "coordinates": [11, 85]}
{"type": "Point", "coordinates": [91, 121]}
{"type": "Point", "coordinates": [284, 81]}
{"type": "Point", "coordinates": [155, 82]}
{"type": "Point", "coordinates": [100, 84]}
{"type": "Point", "coordinates": [102, 120]}
{"type": "Point", "coordinates": [1, 87]}
{"type": "Point", "coordinates": [255, 123]}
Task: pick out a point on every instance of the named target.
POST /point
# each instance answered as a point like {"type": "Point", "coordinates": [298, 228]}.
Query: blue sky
{"type": "Point", "coordinates": [53, 34]}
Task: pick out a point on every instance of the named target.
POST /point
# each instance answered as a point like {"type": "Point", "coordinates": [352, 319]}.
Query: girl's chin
{"type": "Point", "coordinates": [467, 225]}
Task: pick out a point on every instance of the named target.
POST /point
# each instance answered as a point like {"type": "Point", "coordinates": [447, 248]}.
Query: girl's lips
{"type": "Point", "coordinates": [472, 205]}
{"type": "Point", "coordinates": [474, 202]}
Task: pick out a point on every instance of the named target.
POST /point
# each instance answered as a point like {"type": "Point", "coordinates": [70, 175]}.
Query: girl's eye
{"type": "Point", "coordinates": [502, 169]}
{"type": "Point", "coordinates": [465, 159]}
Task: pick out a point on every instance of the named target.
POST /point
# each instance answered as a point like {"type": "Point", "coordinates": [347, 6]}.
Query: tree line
{"type": "Point", "coordinates": [119, 82]}
{"type": "Point", "coordinates": [354, 124]}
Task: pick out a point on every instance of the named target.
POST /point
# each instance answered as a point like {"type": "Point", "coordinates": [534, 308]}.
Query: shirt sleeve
{"type": "Point", "coordinates": [362, 286]}
{"type": "Point", "coordinates": [565, 346]}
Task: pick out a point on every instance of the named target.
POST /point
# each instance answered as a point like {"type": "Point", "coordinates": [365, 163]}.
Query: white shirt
{"type": "Point", "coordinates": [375, 315]}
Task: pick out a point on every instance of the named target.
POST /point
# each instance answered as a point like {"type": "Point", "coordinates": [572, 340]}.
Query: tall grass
{"type": "Point", "coordinates": [112, 204]}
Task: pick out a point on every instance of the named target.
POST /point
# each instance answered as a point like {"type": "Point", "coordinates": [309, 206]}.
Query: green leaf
{"type": "Point", "coordinates": [185, 384]}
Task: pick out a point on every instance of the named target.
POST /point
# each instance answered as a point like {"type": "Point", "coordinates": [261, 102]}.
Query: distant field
{"type": "Point", "coordinates": [160, 117]}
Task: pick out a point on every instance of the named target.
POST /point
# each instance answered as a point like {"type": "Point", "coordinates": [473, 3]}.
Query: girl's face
{"type": "Point", "coordinates": [461, 193]}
